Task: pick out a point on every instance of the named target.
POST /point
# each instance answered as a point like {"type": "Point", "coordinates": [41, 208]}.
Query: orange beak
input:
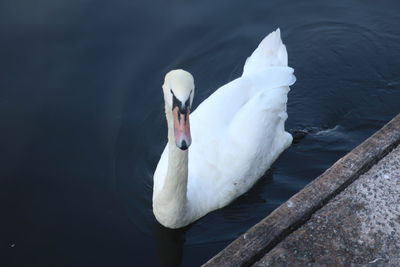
{"type": "Point", "coordinates": [182, 128]}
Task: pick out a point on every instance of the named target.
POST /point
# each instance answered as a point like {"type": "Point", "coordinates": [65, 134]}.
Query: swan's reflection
{"type": "Point", "coordinates": [169, 243]}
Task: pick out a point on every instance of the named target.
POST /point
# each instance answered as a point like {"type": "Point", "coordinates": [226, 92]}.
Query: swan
{"type": "Point", "coordinates": [237, 133]}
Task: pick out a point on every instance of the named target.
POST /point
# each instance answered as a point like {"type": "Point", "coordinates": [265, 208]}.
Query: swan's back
{"type": "Point", "coordinates": [238, 131]}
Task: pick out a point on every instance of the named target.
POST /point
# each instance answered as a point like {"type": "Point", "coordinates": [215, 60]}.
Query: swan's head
{"type": "Point", "coordinates": [178, 91]}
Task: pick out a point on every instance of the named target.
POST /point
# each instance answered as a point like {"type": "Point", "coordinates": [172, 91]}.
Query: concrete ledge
{"type": "Point", "coordinates": [358, 227]}
{"type": "Point", "coordinates": [264, 236]}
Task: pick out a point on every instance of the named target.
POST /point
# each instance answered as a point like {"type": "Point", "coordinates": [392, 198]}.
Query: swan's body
{"type": "Point", "coordinates": [237, 133]}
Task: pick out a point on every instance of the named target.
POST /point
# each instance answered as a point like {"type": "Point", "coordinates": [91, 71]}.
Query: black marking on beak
{"type": "Point", "coordinates": [183, 146]}
{"type": "Point", "coordinates": [182, 108]}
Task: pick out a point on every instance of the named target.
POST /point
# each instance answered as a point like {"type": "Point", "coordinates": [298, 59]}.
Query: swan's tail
{"type": "Point", "coordinates": [270, 52]}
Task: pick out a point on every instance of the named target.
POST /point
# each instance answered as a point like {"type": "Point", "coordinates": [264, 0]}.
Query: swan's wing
{"type": "Point", "coordinates": [219, 108]}
{"type": "Point", "coordinates": [208, 125]}
{"type": "Point", "coordinates": [256, 136]}
{"type": "Point", "coordinates": [214, 114]}
{"type": "Point", "coordinates": [227, 128]}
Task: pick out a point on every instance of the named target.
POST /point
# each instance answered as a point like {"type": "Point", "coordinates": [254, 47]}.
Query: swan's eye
{"type": "Point", "coordinates": [175, 101]}
{"type": "Point", "coordinates": [187, 103]}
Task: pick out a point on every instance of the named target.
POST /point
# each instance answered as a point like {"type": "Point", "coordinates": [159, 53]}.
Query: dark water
{"type": "Point", "coordinates": [82, 123]}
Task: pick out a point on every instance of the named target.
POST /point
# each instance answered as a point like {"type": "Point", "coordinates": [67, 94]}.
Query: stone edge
{"type": "Point", "coordinates": [262, 237]}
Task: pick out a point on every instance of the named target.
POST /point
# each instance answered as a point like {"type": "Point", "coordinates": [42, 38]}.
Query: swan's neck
{"type": "Point", "coordinates": [171, 202]}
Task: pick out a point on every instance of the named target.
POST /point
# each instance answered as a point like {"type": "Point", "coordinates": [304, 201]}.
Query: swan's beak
{"type": "Point", "coordinates": [182, 128]}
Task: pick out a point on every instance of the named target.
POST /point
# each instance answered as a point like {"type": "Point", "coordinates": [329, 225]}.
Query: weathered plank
{"type": "Point", "coordinates": [262, 237]}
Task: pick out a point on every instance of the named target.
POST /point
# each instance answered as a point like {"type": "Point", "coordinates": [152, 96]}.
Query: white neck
{"type": "Point", "coordinates": [170, 206]}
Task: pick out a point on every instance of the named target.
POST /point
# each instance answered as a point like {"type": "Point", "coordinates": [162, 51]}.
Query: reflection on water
{"type": "Point", "coordinates": [169, 244]}
{"type": "Point", "coordinates": [83, 124]}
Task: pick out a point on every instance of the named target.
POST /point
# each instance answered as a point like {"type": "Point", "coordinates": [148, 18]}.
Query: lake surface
{"type": "Point", "coordinates": [83, 126]}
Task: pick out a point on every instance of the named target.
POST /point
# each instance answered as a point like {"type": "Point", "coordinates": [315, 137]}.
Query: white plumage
{"type": "Point", "coordinates": [237, 133]}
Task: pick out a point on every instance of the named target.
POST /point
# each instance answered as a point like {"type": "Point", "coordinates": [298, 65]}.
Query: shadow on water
{"type": "Point", "coordinates": [169, 244]}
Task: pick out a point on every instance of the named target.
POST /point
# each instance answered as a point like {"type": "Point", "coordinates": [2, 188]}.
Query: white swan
{"type": "Point", "coordinates": [237, 133]}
